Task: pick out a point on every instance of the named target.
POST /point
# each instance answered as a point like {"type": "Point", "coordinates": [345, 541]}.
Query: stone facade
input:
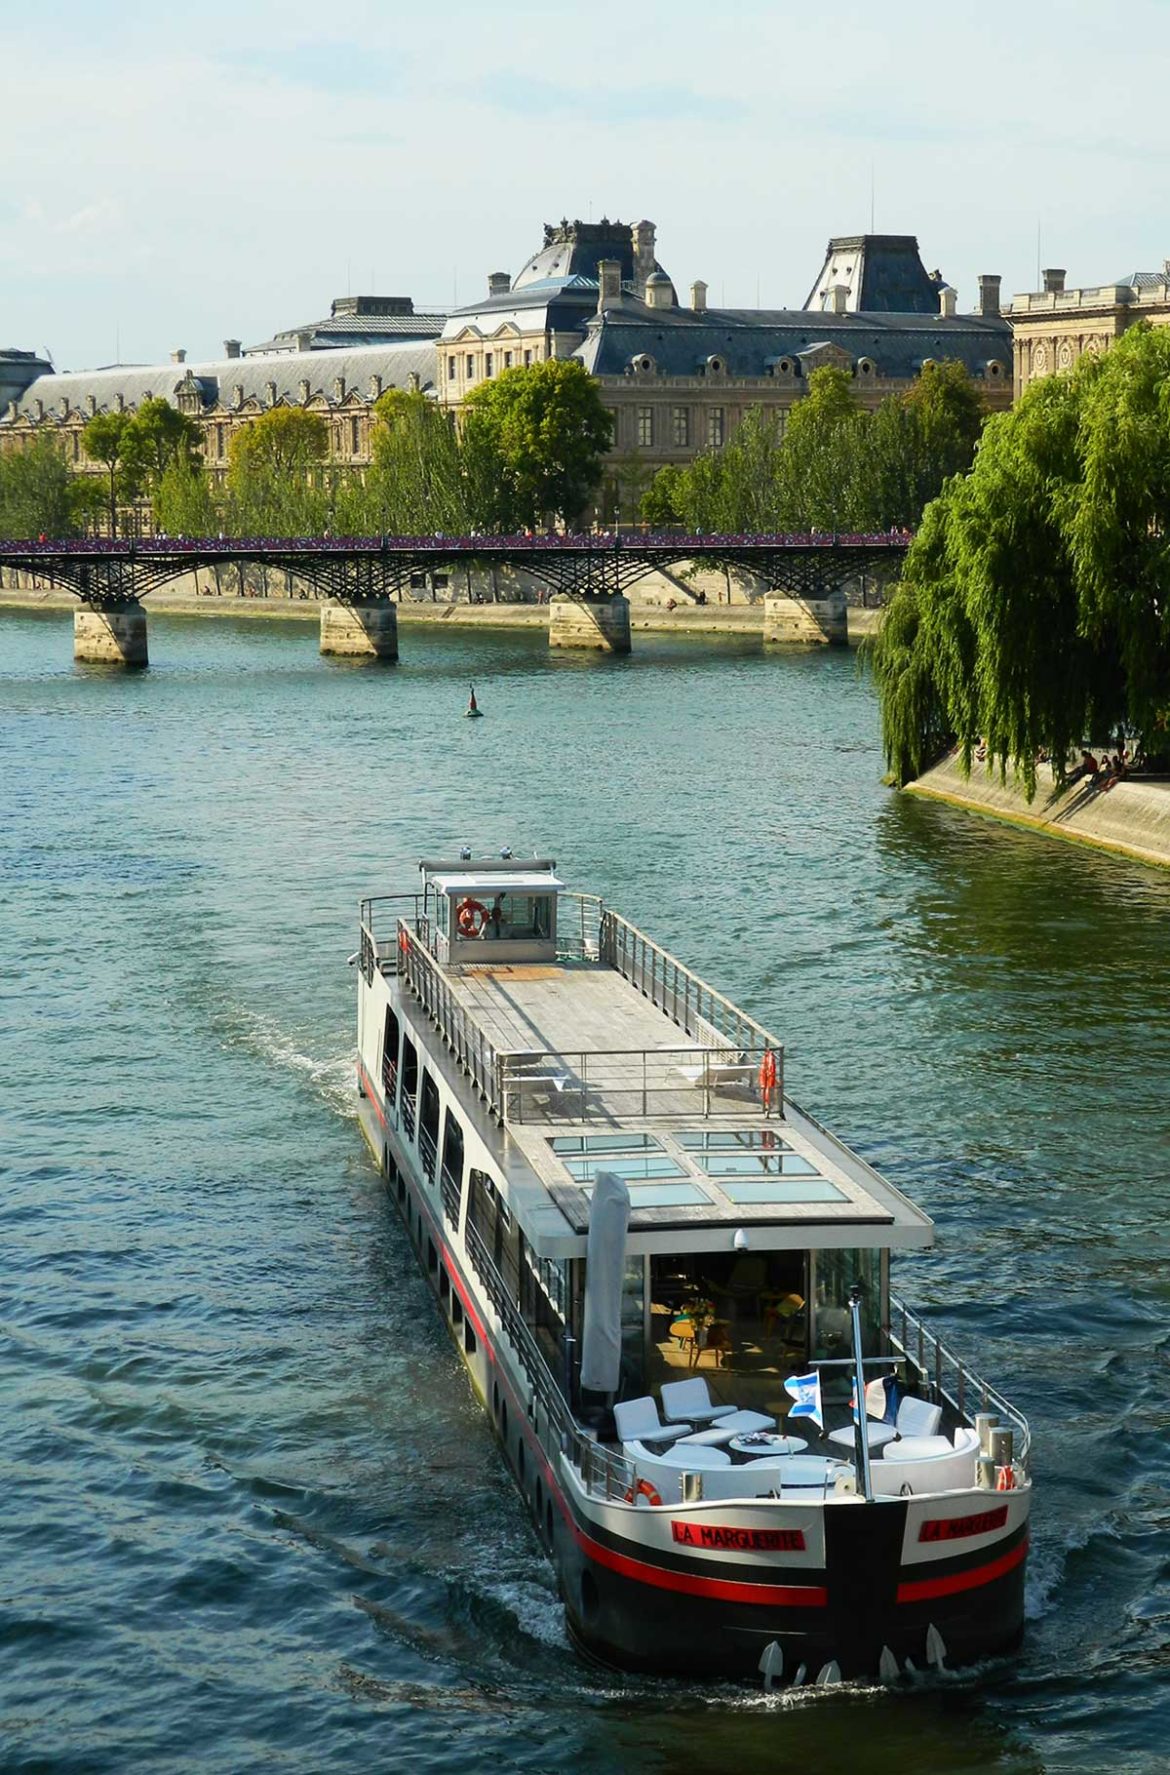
{"type": "Point", "coordinates": [677, 378]}
{"type": "Point", "coordinates": [1054, 327]}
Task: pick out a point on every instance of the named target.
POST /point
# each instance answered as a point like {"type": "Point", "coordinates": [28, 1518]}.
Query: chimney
{"type": "Point", "coordinates": [238, 394]}
{"type": "Point", "coordinates": [303, 391]}
{"type": "Point", "coordinates": [499, 283]}
{"type": "Point", "coordinates": [339, 388]}
{"type": "Point", "coordinates": [840, 296]}
{"type": "Point", "coordinates": [947, 298]}
{"type": "Point", "coordinates": [179, 355]}
{"type": "Point", "coordinates": [231, 348]}
{"type": "Point", "coordinates": [119, 401]}
{"type": "Point", "coordinates": [270, 391]}
{"type": "Point", "coordinates": [1053, 282]}
{"type": "Point", "coordinates": [989, 296]}
{"type": "Point", "coordinates": [91, 403]}
{"type": "Point", "coordinates": [642, 238]}
{"type": "Point", "coordinates": [414, 382]}
{"type": "Point", "coordinates": [40, 407]}
{"type": "Point", "coordinates": [609, 282]}
{"type": "Point", "coordinates": [699, 297]}
{"type": "Point", "coordinates": [375, 388]}
{"type": "Point", "coordinates": [305, 340]}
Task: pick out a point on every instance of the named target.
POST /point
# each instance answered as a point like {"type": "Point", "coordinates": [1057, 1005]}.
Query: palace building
{"type": "Point", "coordinates": [677, 378]}
{"type": "Point", "coordinates": [1055, 326]}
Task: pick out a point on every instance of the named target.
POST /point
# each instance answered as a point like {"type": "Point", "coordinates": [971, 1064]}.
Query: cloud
{"type": "Point", "coordinates": [522, 96]}
{"type": "Point", "coordinates": [334, 66]}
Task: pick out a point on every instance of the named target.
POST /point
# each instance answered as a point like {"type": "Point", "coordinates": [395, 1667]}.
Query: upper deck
{"type": "Point", "coordinates": [592, 1048]}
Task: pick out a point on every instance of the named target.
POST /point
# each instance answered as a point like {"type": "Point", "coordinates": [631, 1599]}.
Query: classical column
{"type": "Point", "coordinates": [599, 623]}
{"type": "Point", "coordinates": [796, 621]}
{"type": "Point", "coordinates": [359, 631]}
{"type": "Point", "coordinates": [110, 635]}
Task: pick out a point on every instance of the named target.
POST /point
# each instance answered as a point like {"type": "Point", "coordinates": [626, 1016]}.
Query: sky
{"type": "Point", "coordinates": [177, 176]}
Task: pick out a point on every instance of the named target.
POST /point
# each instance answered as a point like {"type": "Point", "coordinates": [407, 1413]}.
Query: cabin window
{"type": "Point", "coordinates": [428, 1125]}
{"type": "Point", "coordinates": [409, 1085]}
{"type": "Point", "coordinates": [836, 1273]}
{"type": "Point", "coordinates": [390, 1056]}
{"type": "Point", "coordinates": [739, 1318]}
{"type": "Point", "coordinates": [514, 918]}
{"type": "Point", "coordinates": [488, 1217]}
{"type": "Point", "coordinates": [451, 1170]}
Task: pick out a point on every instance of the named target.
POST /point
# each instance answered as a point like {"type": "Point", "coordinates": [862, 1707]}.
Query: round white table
{"type": "Point", "coordinates": [766, 1442]}
{"type": "Point", "coordinates": [812, 1471]}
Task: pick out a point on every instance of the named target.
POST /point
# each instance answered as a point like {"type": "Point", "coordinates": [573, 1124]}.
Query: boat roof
{"type": "Point", "coordinates": [519, 881]}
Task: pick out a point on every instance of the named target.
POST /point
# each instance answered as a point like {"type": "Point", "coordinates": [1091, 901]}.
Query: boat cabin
{"type": "Point", "coordinates": [492, 911]}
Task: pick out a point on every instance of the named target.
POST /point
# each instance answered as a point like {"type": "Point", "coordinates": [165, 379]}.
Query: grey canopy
{"type": "Point", "coordinates": [601, 1351]}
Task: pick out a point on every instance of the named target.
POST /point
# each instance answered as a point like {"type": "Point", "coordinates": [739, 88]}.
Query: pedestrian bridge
{"type": "Point", "coordinates": [359, 579]}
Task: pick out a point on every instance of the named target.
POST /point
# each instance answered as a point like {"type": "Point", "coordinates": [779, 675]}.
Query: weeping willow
{"type": "Point", "coordinates": [1032, 615]}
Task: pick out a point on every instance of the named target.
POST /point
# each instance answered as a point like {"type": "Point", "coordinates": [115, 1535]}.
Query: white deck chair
{"type": "Point", "coordinates": [691, 1400]}
{"type": "Point", "coordinates": [916, 1417]}
{"type": "Point", "coordinates": [637, 1420]}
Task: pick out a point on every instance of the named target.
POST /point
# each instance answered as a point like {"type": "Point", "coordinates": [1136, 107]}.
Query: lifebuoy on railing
{"type": "Point", "coordinates": [470, 918]}
{"type": "Point", "coordinates": [403, 940]}
{"type": "Point", "coordinates": [643, 1489]}
{"type": "Point", "coordinates": [1005, 1479]}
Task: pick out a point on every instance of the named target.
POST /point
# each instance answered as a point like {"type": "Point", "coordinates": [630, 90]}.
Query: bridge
{"type": "Point", "coordinates": [359, 579]}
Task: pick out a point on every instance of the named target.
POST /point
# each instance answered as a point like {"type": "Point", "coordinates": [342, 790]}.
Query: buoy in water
{"type": "Point", "coordinates": [473, 710]}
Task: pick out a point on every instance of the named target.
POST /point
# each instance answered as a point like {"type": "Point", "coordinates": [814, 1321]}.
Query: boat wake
{"type": "Point", "coordinates": [331, 1078]}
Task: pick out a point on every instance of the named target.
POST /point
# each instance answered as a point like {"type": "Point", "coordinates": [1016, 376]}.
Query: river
{"type": "Point", "coordinates": [253, 1517]}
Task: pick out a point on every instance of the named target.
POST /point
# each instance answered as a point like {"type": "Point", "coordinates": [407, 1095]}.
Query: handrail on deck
{"type": "Point", "coordinates": [949, 1378]}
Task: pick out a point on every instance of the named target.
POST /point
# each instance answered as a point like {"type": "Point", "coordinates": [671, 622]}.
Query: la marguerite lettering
{"type": "Point", "coordinates": [742, 1540]}
{"type": "Point", "coordinates": [957, 1528]}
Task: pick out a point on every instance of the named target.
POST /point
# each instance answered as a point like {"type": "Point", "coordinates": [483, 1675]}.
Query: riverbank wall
{"type": "Point", "coordinates": [1132, 818]}
{"type": "Point", "coordinates": [646, 616]}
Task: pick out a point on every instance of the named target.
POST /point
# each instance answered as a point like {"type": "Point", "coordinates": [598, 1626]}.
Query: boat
{"type": "Point", "coordinates": [670, 1286]}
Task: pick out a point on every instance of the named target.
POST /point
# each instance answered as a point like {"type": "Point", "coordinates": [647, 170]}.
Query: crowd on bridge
{"type": "Point", "coordinates": [570, 542]}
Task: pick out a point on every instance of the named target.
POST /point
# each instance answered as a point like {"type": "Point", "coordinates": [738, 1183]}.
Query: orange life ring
{"type": "Point", "coordinates": [768, 1070]}
{"type": "Point", "coordinates": [403, 940]}
{"type": "Point", "coordinates": [643, 1489]}
{"type": "Point", "coordinates": [1005, 1479]}
{"type": "Point", "coordinates": [470, 918]}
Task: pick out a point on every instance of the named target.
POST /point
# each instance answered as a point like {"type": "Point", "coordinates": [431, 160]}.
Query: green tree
{"type": "Point", "coordinates": [184, 500]}
{"type": "Point", "coordinates": [1034, 611]}
{"type": "Point", "coordinates": [158, 435]}
{"type": "Point", "coordinates": [660, 504]}
{"type": "Point", "coordinates": [37, 492]}
{"type": "Point", "coordinates": [104, 440]}
{"type": "Point", "coordinates": [276, 482]}
{"type": "Point", "coordinates": [817, 468]}
{"type": "Point", "coordinates": [415, 484]}
{"type": "Point", "coordinates": [534, 440]}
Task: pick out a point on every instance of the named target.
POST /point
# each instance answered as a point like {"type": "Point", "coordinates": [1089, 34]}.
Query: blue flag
{"type": "Point", "coordinates": [806, 1391]}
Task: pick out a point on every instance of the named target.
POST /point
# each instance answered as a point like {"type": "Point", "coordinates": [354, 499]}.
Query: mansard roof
{"type": "Point", "coordinates": [749, 342]}
{"type": "Point", "coordinates": [218, 381]}
{"type": "Point", "coordinates": [882, 273]}
{"type": "Point", "coordinates": [354, 321]}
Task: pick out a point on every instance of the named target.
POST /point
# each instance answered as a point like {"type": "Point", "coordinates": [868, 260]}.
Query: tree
{"type": "Point", "coordinates": [36, 492]}
{"type": "Point", "coordinates": [184, 500]}
{"type": "Point", "coordinates": [104, 440]}
{"type": "Point", "coordinates": [660, 505]}
{"type": "Point", "coordinates": [415, 484]}
{"type": "Point", "coordinates": [1034, 610]}
{"type": "Point", "coordinates": [157, 435]}
{"type": "Point", "coordinates": [533, 440]}
{"type": "Point", "coordinates": [275, 482]}
{"type": "Point", "coordinates": [817, 469]}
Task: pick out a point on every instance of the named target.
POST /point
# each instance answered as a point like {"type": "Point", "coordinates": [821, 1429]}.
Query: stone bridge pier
{"type": "Point", "coordinates": [793, 619]}
{"type": "Point", "coordinates": [600, 624]}
{"type": "Point", "coordinates": [359, 631]}
{"type": "Point", "coordinates": [110, 635]}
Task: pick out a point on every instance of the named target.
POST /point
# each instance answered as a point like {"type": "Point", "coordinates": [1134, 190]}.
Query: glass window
{"type": "Point", "coordinates": [746, 1140]}
{"type": "Point", "coordinates": [355, 436]}
{"type": "Point", "coordinates": [632, 1168]}
{"type": "Point", "coordinates": [488, 361]}
{"type": "Point", "coordinates": [509, 917]}
{"type": "Point", "coordinates": [470, 366]}
{"type": "Point", "coordinates": [759, 1164]}
{"type": "Point", "coordinates": [390, 1055]}
{"type": "Point", "coordinates": [450, 369]}
{"type": "Point", "coordinates": [451, 1170]}
{"type": "Point", "coordinates": [605, 1143]}
{"type": "Point", "coordinates": [681, 424]}
{"type": "Point", "coordinates": [645, 426]}
{"type": "Point", "coordinates": [714, 428]}
{"type": "Point", "coordinates": [527, 359]}
{"type": "Point", "coordinates": [781, 1191]}
{"type": "Point", "coordinates": [836, 1272]}
{"type": "Point", "coordinates": [507, 360]}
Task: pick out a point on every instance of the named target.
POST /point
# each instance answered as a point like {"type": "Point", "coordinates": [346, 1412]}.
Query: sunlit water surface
{"type": "Point", "coordinates": [252, 1516]}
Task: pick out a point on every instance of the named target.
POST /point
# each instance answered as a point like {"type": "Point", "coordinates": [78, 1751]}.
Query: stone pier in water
{"type": "Point", "coordinates": [599, 623]}
{"type": "Point", "coordinates": [111, 636]}
{"type": "Point", "coordinates": [359, 631]}
{"type": "Point", "coordinates": [797, 621]}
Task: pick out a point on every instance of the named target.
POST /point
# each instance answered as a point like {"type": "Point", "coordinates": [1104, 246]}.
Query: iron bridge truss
{"type": "Point", "coordinates": [378, 570]}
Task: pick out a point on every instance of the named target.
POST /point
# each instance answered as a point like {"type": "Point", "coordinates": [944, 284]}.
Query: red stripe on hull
{"type": "Point", "coordinates": [927, 1589]}
{"type": "Point", "coordinates": [796, 1596]}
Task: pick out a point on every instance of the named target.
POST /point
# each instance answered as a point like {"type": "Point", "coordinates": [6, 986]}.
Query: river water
{"type": "Point", "coordinates": [253, 1518]}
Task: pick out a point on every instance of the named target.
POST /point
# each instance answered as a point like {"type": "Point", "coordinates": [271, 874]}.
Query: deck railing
{"type": "Point", "coordinates": [619, 1084]}
{"type": "Point", "coordinates": [946, 1376]}
{"type": "Point", "coordinates": [704, 1014]}
{"type": "Point", "coordinates": [579, 921]}
{"type": "Point", "coordinates": [472, 1050]}
{"type": "Point", "coordinates": [603, 1470]}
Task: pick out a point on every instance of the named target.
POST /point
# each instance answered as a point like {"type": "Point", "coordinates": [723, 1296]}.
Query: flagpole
{"type": "Point", "coordinates": [860, 1429]}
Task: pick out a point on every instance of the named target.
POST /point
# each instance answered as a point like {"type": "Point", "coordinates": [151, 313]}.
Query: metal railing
{"type": "Point", "coordinates": [619, 1084]}
{"type": "Point", "coordinates": [408, 1111]}
{"type": "Point", "coordinates": [706, 1015]}
{"type": "Point", "coordinates": [579, 920]}
{"type": "Point", "coordinates": [428, 1152]}
{"type": "Point", "coordinates": [947, 1377]}
{"type": "Point", "coordinates": [458, 1028]}
{"type": "Point", "coordinates": [603, 1470]}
